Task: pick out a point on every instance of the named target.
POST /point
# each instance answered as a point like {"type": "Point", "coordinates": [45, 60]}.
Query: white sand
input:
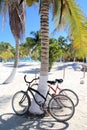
{"type": "Point", "coordinates": [72, 74]}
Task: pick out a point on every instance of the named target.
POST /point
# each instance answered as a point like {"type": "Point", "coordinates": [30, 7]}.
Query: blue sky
{"type": "Point", "coordinates": [33, 24]}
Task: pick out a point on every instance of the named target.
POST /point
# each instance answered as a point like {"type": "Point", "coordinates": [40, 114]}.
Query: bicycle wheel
{"type": "Point", "coordinates": [21, 103]}
{"type": "Point", "coordinates": [61, 108]}
{"type": "Point", "coordinates": [71, 94]}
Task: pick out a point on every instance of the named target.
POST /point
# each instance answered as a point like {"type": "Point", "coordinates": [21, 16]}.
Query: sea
{"type": "Point", "coordinates": [26, 59]}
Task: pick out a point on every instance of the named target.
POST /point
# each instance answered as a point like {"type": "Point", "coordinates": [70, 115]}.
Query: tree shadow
{"type": "Point", "coordinates": [4, 100]}
{"type": "Point", "coordinates": [32, 71]}
{"type": "Point", "coordinates": [73, 65]}
{"type": "Point", "coordinates": [11, 65]}
{"type": "Point", "coordinates": [10, 121]}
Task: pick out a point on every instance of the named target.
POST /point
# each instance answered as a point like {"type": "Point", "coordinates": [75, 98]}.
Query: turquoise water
{"type": "Point", "coordinates": [27, 59]}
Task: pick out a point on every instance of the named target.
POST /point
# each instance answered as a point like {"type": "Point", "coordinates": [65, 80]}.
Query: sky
{"type": "Point", "coordinates": [33, 24]}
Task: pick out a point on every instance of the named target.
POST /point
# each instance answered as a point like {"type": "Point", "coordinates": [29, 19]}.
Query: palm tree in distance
{"type": "Point", "coordinates": [65, 14]}
{"type": "Point", "coordinates": [17, 25]}
{"type": "Point", "coordinates": [35, 45]}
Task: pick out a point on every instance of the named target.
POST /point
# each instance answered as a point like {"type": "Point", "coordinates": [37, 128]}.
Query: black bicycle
{"type": "Point", "coordinates": [59, 107]}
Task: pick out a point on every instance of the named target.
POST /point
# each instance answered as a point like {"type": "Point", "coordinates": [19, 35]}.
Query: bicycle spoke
{"type": "Point", "coordinates": [60, 109]}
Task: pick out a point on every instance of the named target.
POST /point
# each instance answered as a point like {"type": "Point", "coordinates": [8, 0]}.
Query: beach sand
{"type": "Point", "coordinates": [74, 79]}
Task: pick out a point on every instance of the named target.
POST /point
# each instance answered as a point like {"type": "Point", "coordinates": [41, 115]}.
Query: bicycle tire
{"type": "Point", "coordinates": [61, 108]}
{"type": "Point", "coordinates": [21, 103]}
{"type": "Point", "coordinates": [71, 94]}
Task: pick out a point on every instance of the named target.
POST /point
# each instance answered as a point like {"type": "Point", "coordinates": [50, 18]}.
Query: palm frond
{"type": "Point", "coordinates": [55, 5]}
{"type": "Point", "coordinates": [21, 1]}
{"type": "Point", "coordinates": [17, 18]}
{"type": "Point", "coordinates": [73, 20]}
{"type": "Point", "coordinates": [3, 10]}
{"type": "Point", "coordinates": [79, 32]}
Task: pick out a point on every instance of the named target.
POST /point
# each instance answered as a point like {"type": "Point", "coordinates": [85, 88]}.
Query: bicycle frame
{"type": "Point", "coordinates": [31, 90]}
{"type": "Point", "coordinates": [50, 86]}
{"type": "Point", "coordinates": [54, 90]}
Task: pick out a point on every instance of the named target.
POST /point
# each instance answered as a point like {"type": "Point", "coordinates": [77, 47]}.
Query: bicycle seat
{"type": "Point", "coordinates": [51, 82]}
{"type": "Point", "coordinates": [59, 80]}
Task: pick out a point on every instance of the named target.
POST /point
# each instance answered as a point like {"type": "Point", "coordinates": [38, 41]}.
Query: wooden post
{"type": "Point", "coordinates": [35, 75]}
{"type": "Point", "coordinates": [84, 72]}
{"type": "Point", "coordinates": [63, 73]}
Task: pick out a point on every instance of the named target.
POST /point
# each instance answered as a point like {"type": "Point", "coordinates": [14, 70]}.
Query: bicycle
{"type": "Point", "coordinates": [70, 93]}
{"type": "Point", "coordinates": [60, 107]}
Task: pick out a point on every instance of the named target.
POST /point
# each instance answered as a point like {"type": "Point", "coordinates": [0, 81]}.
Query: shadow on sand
{"type": "Point", "coordinates": [10, 121]}
{"type": "Point", "coordinates": [71, 65]}
{"type": "Point", "coordinates": [19, 66]}
{"type": "Point", "coordinates": [32, 71]}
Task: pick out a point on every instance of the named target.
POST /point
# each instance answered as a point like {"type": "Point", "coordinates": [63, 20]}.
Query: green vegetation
{"type": "Point", "coordinates": [58, 50]}
{"type": "Point", "coordinates": [55, 52]}
{"type": "Point", "coordinates": [6, 51]}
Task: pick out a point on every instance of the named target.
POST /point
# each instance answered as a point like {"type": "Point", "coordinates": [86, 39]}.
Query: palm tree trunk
{"type": "Point", "coordinates": [17, 53]}
{"type": "Point", "coordinates": [42, 88]}
{"type": "Point", "coordinates": [12, 75]}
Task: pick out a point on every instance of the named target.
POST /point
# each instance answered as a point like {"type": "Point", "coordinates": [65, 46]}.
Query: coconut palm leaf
{"type": "Point", "coordinates": [17, 21]}
{"type": "Point", "coordinates": [72, 19]}
{"type": "Point", "coordinates": [3, 10]}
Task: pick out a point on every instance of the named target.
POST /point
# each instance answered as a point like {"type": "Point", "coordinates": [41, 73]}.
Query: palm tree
{"type": "Point", "coordinates": [65, 13]}
{"type": "Point", "coordinates": [44, 36]}
{"type": "Point", "coordinates": [35, 45]}
{"type": "Point", "coordinates": [17, 24]}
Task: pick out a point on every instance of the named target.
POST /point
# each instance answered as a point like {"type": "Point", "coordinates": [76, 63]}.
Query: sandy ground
{"type": "Point", "coordinates": [72, 75]}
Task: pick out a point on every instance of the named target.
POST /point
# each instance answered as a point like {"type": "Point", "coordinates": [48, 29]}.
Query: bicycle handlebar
{"type": "Point", "coordinates": [29, 82]}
